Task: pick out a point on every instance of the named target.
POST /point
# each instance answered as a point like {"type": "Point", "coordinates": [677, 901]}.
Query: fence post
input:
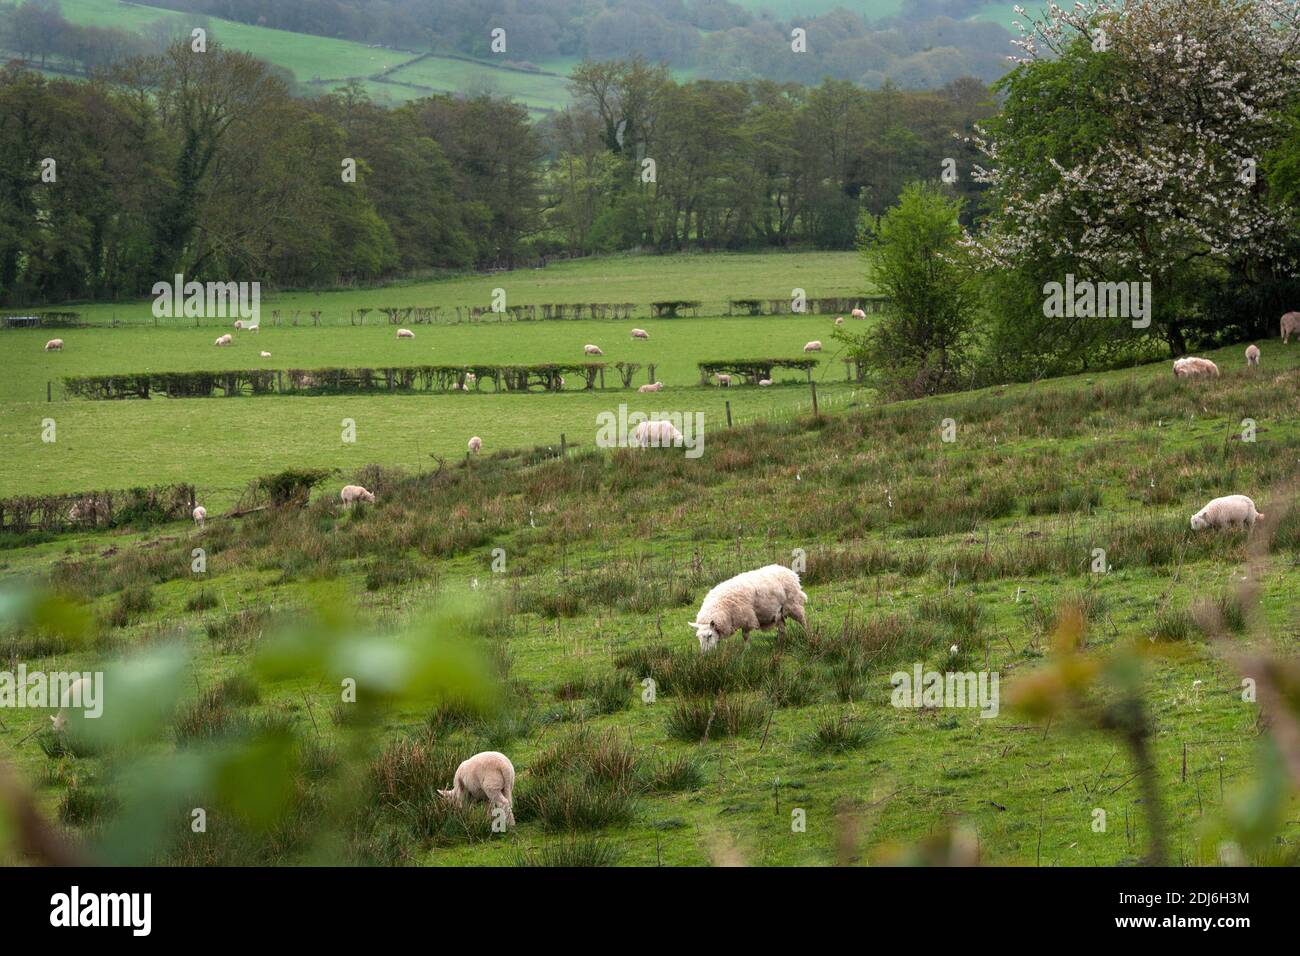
{"type": "Point", "coordinates": [813, 386]}
{"type": "Point", "coordinates": [49, 391]}
{"type": "Point", "coordinates": [564, 447]}
{"type": "Point", "coordinates": [728, 404]}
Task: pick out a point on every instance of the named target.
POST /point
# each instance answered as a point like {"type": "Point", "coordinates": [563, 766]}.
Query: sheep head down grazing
{"type": "Point", "coordinates": [753, 601]}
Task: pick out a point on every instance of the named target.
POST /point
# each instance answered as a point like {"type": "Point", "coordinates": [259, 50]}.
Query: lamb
{"type": "Point", "coordinates": [486, 776]}
{"type": "Point", "coordinates": [1229, 511]}
{"type": "Point", "coordinates": [405, 334]}
{"type": "Point", "coordinates": [80, 691]}
{"type": "Point", "coordinates": [224, 339]}
{"type": "Point", "coordinates": [266, 355]}
{"type": "Point", "coordinates": [200, 515]}
{"type": "Point", "coordinates": [1192, 367]}
{"type": "Point", "coordinates": [724, 380]}
{"type": "Point", "coordinates": [659, 434]}
{"type": "Point", "coordinates": [858, 314]}
{"type": "Point", "coordinates": [239, 324]}
{"type": "Point", "coordinates": [476, 444]}
{"type": "Point", "coordinates": [354, 493]}
{"type": "Point", "coordinates": [1290, 323]}
{"type": "Point", "coordinates": [54, 345]}
{"type": "Point", "coordinates": [814, 346]}
{"type": "Point", "coordinates": [655, 387]}
{"type": "Point", "coordinates": [839, 320]}
{"type": "Point", "coordinates": [1252, 355]}
{"type": "Point", "coordinates": [640, 334]}
{"type": "Point", "coordinates": [592, 349]}
{"type": "Point", "coordinates": [754, 600]}
{"type": "Point", "coordinates": [764, 382]}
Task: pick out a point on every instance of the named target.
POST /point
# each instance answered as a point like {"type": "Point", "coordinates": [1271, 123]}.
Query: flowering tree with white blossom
{"type": "Point", "coordinates": [1133, 142]}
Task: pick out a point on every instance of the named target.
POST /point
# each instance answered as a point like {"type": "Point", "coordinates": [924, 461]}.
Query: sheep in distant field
{"type": "Point", "coordinates": [54, 345]}
{"type": "Point", "coordinates": [858, 314]}
{"type": "Point", "coordinates": [354, 493]}
{"type": "Point", "coordinates": [239, 324]}
{"type": "Point", "coordinates": [300, 379]}
{"type": "Point", "coordinates": [1290, 323]}
{"type": "Point", "coordinates": [723, 379]}
{"type": "Point", "coordinates": [80, 693]}
{"type": "Point", "coordinates": [1252, 355]}
{"type": "Point", "coordinates": [751, 601]}
{"type": "Point", "coordinates": [405, 334]}
{"type": "Point", "coordinates": [476, 444]}
{"type": "Point", "coordinates": [592, 349]}
{"type": "Point", "coordinates": [200, 515]}
{"type": "Point", "coordinates": [653, 387]}
{"type": "Point", "coordinates": [470, 378]}
{"type": "Point", "coordinates": [640, 334]}
{"type": "Point", "coordinates": [266, 354]}
{"type": "Point", "coordinates": [1192, 367]}
{"type": "Point", "coordinates": [814, 346]}
{"type": "Point", "coordinates": [659, 434]}
{"type": "Point", "coordinates": [1230, 511]}
{"type": "Point", "coordinates": [764, 382]}
{"type": "Point", "coordinates": [488, 776]}
{"type": "Point", "coordinates": [224, 339]}
{"type": "Point", "coordinates": [839, 320]}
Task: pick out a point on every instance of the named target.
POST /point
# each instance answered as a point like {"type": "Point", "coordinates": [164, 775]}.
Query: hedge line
{"type": "Point", "coordinates": [753, 369]}
{"type": "Point", "coordinates": [96, 509]}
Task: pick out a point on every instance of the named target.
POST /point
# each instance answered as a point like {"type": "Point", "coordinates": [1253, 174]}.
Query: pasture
{"type": "Point", "coordinates": [913, 545]}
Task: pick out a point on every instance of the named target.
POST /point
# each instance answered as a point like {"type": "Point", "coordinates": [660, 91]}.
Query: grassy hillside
{"type": "Point", "coordinates": [913, 546]}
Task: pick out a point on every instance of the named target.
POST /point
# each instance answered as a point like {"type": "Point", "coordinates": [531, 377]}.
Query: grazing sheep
{"type": "Point", "coordinates": [839, 320]}
{"type": "Point", "coordinates": [1230, 511]}
{"type": "Point", "coordinates": [592, 349]}
{"type": "Point", "coordinates": [1252, 355]}
{"type": "Point", "coordinates": [266, 355]}
{"type": "Point", "coordinates": [354, 493]}
{"type": "Point", "coordinates": [814, 346]}
{"type": "Point", "coordinates": [1192, 367]}
{"type": "Point", "coordinates": [764, 382]}
{"type": "Point", "coordinates": [224, 339]}
{"type": "Point", "coordinates": [751, 601]}
{"type": "Point", "coordinates": [654, 387]}
{"type": "Point", "coordinates": [660, 434]}
{"type": "Point", "coordinates": [724, 380]}
{"type": "Point", "coordinates": [1290, 323]}
{"type": "Point", "coordinates": [200, 515]}
{"type": "Point", "coordinates": [76, 691]}
{"type": "Point", "coordinates": [405, 334]}
{"type": "Point", "coordinates": [54, 345]}
{"type": "Point", "coordinates": [640, 334]}
{"type": "Point", "coordinates": [488, 776]}
{"type": "Point", "coordinates": [239, 324]}
{"type": "Point", "coordinates": [476, 444]}
{"type": "Point", "coordinates": [858, 314]}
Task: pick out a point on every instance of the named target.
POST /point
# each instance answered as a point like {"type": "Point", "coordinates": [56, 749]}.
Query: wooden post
{"type": "Point", "coordinates": [728, 404]}
{"type": "Point", "coordinates": [813, 386]}
{"type": "Point", "coordinates": [279, 381]}
{"type": "Point", "coordinates": [49, 391]}
{"type": "Point", "coordinates": [564, 447]}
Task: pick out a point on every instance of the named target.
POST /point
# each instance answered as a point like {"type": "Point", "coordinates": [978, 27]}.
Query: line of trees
{"type": "Point", "coordinates": [206, 164]}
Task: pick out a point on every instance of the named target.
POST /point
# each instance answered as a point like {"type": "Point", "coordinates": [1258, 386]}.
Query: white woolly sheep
{"type": "Point", "coordinates": [764, 382]}
{"type": "Point", "coordinates": [723, 379]}
{"type": "Point", "coordinates": [640, 334]}
{"type": "Point", "coordinates": [266, 354]}
{"type": "Point", "coordinates": [488, 776]}
{"type": "Point", "coordinates": [839, 320]}
{"type": "Point", "coordinates": [200, 515]}
{"type": "Point", "coordinates": [592, 349]}
{"type": "Point", "coordinates": [354, 493]}
{"type": "Point", "coordinates": [1192, 367]}
{"type": "Point", "coordinates": [653, 387]}
{"type": "Point", "coordinates": [1252, 355]}
{"type": "Point", "coordinates": [858, 314]}
{"type": "Point", "coordinates": [659, 434]}
{"type": "Point", "coordinates": [1230, 511]}
{"type": "Point", "coordinates": [54, 345]}
{"type": "Point", "coordinates": [752, 601]}
{"type": "Point", "coordinates": [814, 346]}
{"type": "Point", "coordinates": [1290, 324]}
{"type": "Point", "coordinates": [75, 693]}
{"type": "Point", "coordinates": [476, 444]}
{"type": "Point", "coordinates": [224, 339]}
{"type": "Point", "coordinates": [239, 324]}
{"type": "Point", "coordinates": [405, 334]}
